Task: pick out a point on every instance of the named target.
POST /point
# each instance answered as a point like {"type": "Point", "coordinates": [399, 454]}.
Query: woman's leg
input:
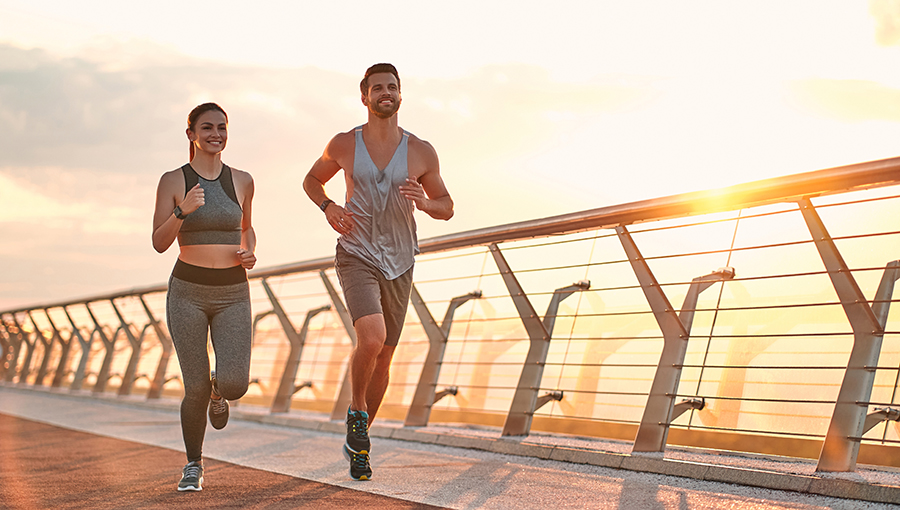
{"type": "Point", "coordinates": [189, 326]}
{"type": "Point", "coordinates": [231, 329]}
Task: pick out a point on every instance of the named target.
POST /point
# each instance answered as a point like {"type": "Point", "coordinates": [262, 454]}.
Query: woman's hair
{"type": "Point", "coordinates": [197, 112]}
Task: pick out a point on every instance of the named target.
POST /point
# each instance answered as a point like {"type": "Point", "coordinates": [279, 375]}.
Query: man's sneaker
{"type": "Point", "coordinates": [191, 477]}
{"type": "Point", "coordinates": [358, 431]}
{"type": "Point", "coordinates": [357, 447]}
{"type": "Point", "coordinates": [359, 464]}
{"type": "Point", "coordinates": [218, 408]}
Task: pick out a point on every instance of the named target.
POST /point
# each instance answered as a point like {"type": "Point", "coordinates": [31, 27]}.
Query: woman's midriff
{"type": "Point", "coordinates": [214, 256]}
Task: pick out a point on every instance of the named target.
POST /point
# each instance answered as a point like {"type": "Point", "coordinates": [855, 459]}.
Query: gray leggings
{"type": "Point", "coordinates": [195, 312]}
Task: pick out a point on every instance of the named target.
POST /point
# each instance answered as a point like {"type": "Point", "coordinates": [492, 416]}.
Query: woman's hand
{"type": "Point", "coordinates": [247, 258]}
{"type": "Point", "coordinates": [193, 199]}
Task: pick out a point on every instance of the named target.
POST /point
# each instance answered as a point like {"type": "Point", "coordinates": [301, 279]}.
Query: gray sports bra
{"type": "Point", "coordinates": [218, 220]}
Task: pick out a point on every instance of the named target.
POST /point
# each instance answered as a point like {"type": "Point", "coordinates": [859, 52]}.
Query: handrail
{"type": "Point", "coordinates": [870, 174]}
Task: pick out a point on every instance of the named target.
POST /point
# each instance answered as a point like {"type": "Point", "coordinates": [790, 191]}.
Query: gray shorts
{"type": "Point", "coordinates": [368, 292]}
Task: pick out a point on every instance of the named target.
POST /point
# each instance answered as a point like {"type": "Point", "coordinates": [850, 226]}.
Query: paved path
{"type": "Point", "coordinates": [100, 453]}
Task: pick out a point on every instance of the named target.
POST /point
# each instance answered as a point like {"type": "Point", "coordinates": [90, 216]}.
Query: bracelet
{"type": "Point", "coordinates": [325, 204]}
{"type": "Point", "coordinates": [179, 213]}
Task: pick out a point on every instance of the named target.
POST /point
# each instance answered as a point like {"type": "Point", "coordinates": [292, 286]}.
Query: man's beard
{"type": "Point", "coordinates": [384, 112]}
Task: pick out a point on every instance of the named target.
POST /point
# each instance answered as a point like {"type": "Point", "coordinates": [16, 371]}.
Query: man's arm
{"type": "Point", "coordinates": [326, 167]}
{"type": "Point", "coordinates": [428, 192]}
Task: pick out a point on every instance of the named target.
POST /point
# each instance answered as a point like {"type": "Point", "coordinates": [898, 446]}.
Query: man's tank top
{"type": "Point", "coordinates": [218, 220]}
{"type": "Point", "coordinates": [384, 231]}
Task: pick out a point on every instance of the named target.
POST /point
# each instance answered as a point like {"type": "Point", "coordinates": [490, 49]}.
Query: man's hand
{"type": "Point", "coordinates": [340, 219]}
{"type": "Point", "coordinates": [414, 191]}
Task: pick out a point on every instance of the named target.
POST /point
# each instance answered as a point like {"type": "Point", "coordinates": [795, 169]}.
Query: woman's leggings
{"type": "Point", "coordinates": [208, 303]}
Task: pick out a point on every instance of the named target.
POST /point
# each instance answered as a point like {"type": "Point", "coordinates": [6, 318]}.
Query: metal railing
{"type": "Point", "coordinates": [752, 318]}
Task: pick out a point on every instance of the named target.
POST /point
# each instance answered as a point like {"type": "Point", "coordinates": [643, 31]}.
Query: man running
{"type": "Point", "coordinates": [389, 173]}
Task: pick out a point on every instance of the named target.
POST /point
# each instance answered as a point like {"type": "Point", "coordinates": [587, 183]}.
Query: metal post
{"type": "Point", "coordinates": [5, 348]}
{"type": "Point", "coordinates": [521, 411]}
{"type": "Point", "coordinates": [344, 397]}
{"type": "Point", "coordinates": [841, 446]}
{"type": "Point", "coordinates": [135, 342]}
{"type": "Point", "coordinates": [425, 397]}
{"type": "Point", "coordinates": [159, 378]}
{"type": "Point", "coordinates": [45, 359]}
{"type": "Point", "coordinates": [80, 372]}
{"type": "Point", "coordinates": [25, 371]}
{"type": "Point", "coordinates": [282, 401]}
{"type": "Point", "coordinates": [109, 344]}
{"type": "Point", "coordinates": [658, 412]}
{"type": "Point", "coordinates": [66, 348]}
{"type": "Point", "coordinates": [15, 340]}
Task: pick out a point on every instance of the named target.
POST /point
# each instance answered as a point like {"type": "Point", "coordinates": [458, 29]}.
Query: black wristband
{"type": "Point", "coordinates": [178, 213]}
{"type": "Point", "coordinates": [325, 204]}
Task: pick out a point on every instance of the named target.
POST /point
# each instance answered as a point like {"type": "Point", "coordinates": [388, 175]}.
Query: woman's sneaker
{"type": "Point", "coordinates": [218, 408]}
{"type": "Point", "coordinates": [191, 477]}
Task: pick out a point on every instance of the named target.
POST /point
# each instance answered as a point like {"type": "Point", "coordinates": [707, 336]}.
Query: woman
{"type": "Point", "coordinates": [206, 206]}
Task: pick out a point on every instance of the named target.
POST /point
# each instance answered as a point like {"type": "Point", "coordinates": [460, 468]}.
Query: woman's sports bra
{"type": "Point", "coordinates": [218, 220]}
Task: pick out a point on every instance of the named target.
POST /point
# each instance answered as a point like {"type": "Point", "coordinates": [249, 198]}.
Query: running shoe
{"type": "Point", "coordinates": [191, 477]}
{"type": "Point", "coordinates": [359, 464]}
{"type": "Point", "coordinates": [357, 447]}
{"type": "Point", "coordinates": [218, 407]}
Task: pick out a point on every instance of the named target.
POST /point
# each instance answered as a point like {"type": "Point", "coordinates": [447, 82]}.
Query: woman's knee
{"type": "Point", "coordinates": [232, 388]}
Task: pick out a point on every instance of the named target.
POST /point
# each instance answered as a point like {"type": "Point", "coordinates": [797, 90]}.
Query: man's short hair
{"type": "Point", "coordinates": [375, 69]}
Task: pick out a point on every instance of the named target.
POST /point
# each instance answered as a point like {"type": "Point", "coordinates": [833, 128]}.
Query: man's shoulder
{"type": "Point", "coordinates": [421, 147]}
{"type": "Point", "coordinates": [342, 143]}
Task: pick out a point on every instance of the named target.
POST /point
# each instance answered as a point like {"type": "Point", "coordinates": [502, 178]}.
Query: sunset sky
{"type": "Point", "coordinates": [535, 109]}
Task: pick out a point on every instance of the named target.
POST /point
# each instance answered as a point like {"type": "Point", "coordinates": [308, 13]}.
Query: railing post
{"type": "Point", "coordinates": [282, 401]}
{"type": "Point", "coordinates": [45, 359]}
{"type": "Point", "coordinates": [109, 344]}
{"type": "Point", "coordinates": [344, 397]}
{"type": "Point", "coordinates": [135, 342]}
{"type": "Point", "coordinates": [424, 397]}
{"type": "Point", "coordinates": [159, 378]}
{"type": "Point", "coordinates": [658, 412]}
{"type": "Point", "coordinates": [66, 348]}
{"type": "Point", "coordinates": [521, 410]}
{"type": "Point", "coordinates": [25, 369]}
{"type": "Point", "coordinates": [4, 349]}
{"type": "Point", "coordinates": [78, 379]}
{"type": "Point", "coordinates": [841, 447]}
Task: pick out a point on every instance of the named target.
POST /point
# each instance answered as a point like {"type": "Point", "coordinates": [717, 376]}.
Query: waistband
{"type": "Point", "coordinates": [208, 275]}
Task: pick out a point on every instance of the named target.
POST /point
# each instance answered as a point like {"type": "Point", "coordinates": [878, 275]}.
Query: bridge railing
{"type": "Point", "coordinates": [754, 318]}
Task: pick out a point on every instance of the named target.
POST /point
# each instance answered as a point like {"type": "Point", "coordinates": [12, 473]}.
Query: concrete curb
{"type": "Point", "coordinates": [821, 485]}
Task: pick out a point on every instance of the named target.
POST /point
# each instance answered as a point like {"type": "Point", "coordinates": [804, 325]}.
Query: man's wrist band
{"type": "Point", "coordinates": [325, 204]}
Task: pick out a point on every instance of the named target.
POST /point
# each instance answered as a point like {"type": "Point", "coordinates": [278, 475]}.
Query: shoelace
{"type": "Point", "coordinates": [360, 461]}
{"type": "Point", "coordinates": [192, 471]}
{"type": "Point", "coordinates": [218, 406]}
{"type": "Point", "coordinates": [358, 427]}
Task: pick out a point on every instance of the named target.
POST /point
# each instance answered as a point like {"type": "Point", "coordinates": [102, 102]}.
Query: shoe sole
{"type": "Point", "coordinates": [346, 450]}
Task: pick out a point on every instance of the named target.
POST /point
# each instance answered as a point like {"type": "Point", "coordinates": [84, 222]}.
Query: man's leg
{"type": "Point", "coordinates": [370, 335]}
{"type": "Point", "coordinates": [378, 383]}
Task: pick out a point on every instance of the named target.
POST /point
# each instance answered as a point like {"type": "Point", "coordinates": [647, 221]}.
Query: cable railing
{"type": "Point", "coordinates": [754, 318]}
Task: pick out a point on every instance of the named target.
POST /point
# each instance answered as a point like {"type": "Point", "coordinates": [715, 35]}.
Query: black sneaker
{"type": "Point", "coordinates": [218, 408]}
{"type": "Point", "coordinates": [357, 447]}
{"type": "Point", "coordinates": [358, 431]}
{"type": "Point", "coordinates": [191, 477]}
{"type": "Point", "coordinates": [359, 464]}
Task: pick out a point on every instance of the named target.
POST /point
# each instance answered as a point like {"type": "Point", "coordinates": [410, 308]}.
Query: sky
{"type": "Point", "coordinates": [535, 109]}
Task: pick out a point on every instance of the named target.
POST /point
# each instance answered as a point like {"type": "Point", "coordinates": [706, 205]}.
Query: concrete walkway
{"type": "Point", "coordinates": [463, 468]}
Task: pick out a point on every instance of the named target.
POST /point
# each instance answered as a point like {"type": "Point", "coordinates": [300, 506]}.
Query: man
{"type": "Point", "coordinates": [389, 173]}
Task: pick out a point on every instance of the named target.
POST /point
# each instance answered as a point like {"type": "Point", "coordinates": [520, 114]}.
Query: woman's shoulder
{"type": "Point", "coordinates": [241, 177]}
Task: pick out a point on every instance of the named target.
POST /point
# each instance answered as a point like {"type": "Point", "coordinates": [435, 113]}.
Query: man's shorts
{"type": "Point", "coordinates": [367, 292]}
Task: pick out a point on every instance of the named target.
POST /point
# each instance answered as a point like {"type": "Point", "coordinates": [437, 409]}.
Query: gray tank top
{"type": "Point", "coordinates": [384, 230]}
{"type": "Point", "coordinates": [218, 220]}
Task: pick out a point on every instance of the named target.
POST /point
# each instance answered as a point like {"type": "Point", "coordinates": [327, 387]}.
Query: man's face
{"type": "Point", "coordinates": [383, 96]}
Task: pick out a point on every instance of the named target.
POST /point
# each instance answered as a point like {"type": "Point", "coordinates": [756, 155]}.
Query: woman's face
{"type": "Point", "coordinates": [210, 132]}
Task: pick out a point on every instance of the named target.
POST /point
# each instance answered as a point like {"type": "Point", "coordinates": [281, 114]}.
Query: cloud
{"type": "Point", "coordinates": [887, 21]}
{"type": "Point", "coordinates": [848, 100]}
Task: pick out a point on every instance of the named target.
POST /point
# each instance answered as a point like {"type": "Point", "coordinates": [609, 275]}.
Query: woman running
{"type": "Point", "coordinates": [206, 205]}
